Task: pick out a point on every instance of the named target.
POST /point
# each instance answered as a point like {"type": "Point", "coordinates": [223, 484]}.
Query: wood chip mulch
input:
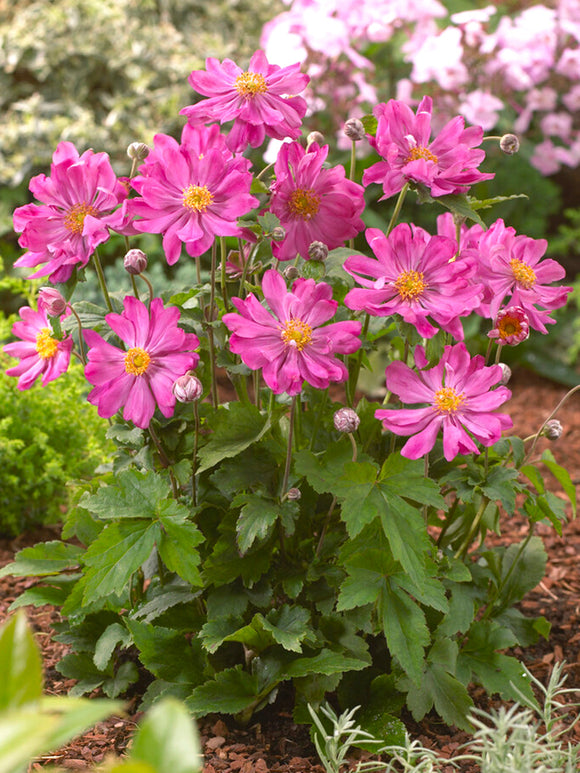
{"type": "Point", "coordinates": [272, 743]}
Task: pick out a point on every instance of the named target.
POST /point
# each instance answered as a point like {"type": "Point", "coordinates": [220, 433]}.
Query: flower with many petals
{"type": "Point", "coordinates": [141, 376]}
{"type": "Point", "coordinates": [414, 275]}
{"type": "Point", "coordinates": [512, 270]}
{"type": "Point", "coordinates": [313, 204]}
{"type": "Point", "coordinates": [40, 352]}
{"type": "Point", "coordinates": [81, 202]}
{"type": "Point", "coordinates": [291, 342]}
{"type": "Point", "coordinates": [261, 101]}
{"type": "Point", "coordinates": [446, 164]}
{"type": "Point", "coordinates": [191, 192]}
{"type": "Point", "coordinates": [457, 397]}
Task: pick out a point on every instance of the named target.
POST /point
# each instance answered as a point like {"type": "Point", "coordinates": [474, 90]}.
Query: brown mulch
{"type": "Point", "coordinates": [272, 743]}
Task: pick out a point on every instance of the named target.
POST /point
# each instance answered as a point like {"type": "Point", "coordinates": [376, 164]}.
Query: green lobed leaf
{"type": "Point", "coordinates": [167, 653]}
{"type": "Point", "coordinates": [119, 550]}
{"type": "Point", "coordinates": [440, 689]}
{"type": "Point", "coordinates": [168, 740]}
{"type": "Point", "coordinates": [230, 692]}
{"type": "Point", "coordinates": [321, 471]}
{"type": "Point", "coordinates": [326, 662]}
{"type": "Point", "coordinates": [43, 559]}
{"type": "Point", "coordinates": [113, 635]}
{"type": "Point", "coordinates": [405, 628]}
{"type": "Point", "coordinates": [39, 596]}
{"type": "Point", "coordinates": [526, 574]}
{"type": "Point", "coordinates": [135, 495]}
{"type": "Point", "coordinates": [21, 681]}
{"type": "Point", "coordinates": [234, 429]}
{"type": "Point", "coordinates": [177, 547]}
{"type": "Point", "coordinates": [257, 517]}
{"type": "Point", "coordinates": [289, 626]}
{"type": "Point", "coordinates": [502, 484]}
{"type": "Point", "coordinates": [360, 588]}
{"type": "Point", "coordinates": [359, 496]}
{"type": "Point", "coordinates": [562, 476]}
{"type": "Point", "coordinates": [124, 676]}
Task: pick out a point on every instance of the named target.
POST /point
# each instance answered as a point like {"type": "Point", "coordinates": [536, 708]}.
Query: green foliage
{"type": "Point", "coordinates": [49, 436]}
{"type": "Point", "coordinates": [32, 724]}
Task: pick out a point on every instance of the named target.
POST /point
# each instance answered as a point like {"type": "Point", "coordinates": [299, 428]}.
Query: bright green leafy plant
{"type": "Point", "coordinates": [260, 524]}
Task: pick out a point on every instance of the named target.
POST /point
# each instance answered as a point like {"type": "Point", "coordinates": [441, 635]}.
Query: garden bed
{"type": "Point", "coordinates": [272, 742]}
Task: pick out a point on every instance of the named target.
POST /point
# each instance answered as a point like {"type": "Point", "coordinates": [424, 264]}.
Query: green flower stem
{"type": "Point", "coordinates": [101, 278]}
{"type": "Point", "coordinates": [150, 286]}
{"type": "Point", "coordinates": [398, 207]}
{"type": "Point", "coordinates": [462, 550]}
{"type": "Point", "coordinates": [354, 374]}
{"type": "Point", "coordinates": [194, 459]}
{"type": "Point", "coordinates": [289, 448]}
{"type": "Point", "coordinates": [209, 318]}
{"type": "Point", "coordinates": [498, 591]}
{"type": "Point", "coordinates": [134, 285]}
{"type": "Point", "coordinates": [80, 327]}
{"type": "Point", "coordinates": [318, 418]}
{"type": "Point", "coordinates": [551, 416]}
{"type": "Point", "coordinates": [488, 352]}
{"type": "Point", "coordinates": [498, 353]}
{"type": "Point", "coordinates": [334, 499]}
{"type": "Point", "coordinates": [223, 284]}
{"type": "Point", "coordinates": [164, 461]}
{"type": "Point", "coordinates": [246, 267]}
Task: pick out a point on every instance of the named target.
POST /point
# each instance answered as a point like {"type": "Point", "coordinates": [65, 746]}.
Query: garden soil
{"type": "Point", "coordinates": [271, 742]}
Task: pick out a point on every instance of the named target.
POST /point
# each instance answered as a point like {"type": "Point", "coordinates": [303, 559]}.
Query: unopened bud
{"type": "Point", "coordinates": [291, 273]}
{"type": "Point", "coordinates": [138, 151]}
{"type": "Point", "coordinates": [278, 233]}
{"type": "Point", "coordinates": [552, 429]}
{"type": "Point", "coordinates": [293, 494]}
{"type": "Point", "coordinates": [314, 137]}
{"type": "Point", "coordinates": [135, 262]}
{"type": "Point", "coordinates": [53, 302]}
{"type": "Point", "coordinates": [317, 251]}
{"type": "Point", "coordinates": [506, 373]}
{"type": "Point", "coordinates": [188, 388]}
{"type": "Point", "coordinates": [346, 420]}
{"type": "Point", "coordinates": [510, 144]}
{"type": "Point", "coordinates": [354, 129]}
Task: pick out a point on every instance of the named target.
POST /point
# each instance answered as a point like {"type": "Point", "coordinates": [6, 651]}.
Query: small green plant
{"type": "Point", "coordinates": [524, 738]}
{"type": "Point", "coordinates": [32, 724]}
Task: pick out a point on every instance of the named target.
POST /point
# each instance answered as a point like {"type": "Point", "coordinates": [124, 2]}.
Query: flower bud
{"type": "Point", "coordinates": [346, 420]}
{"type": "Point", "coordinates": [552, 429]}
{"type": "Point", "coordinates": [291, 273]}
{"type": "Point", "coordinates": [314, 137]}
{"type": "Point", "coordinates": [278, 233]}
{"type": "Point", "coordinates": [510, 144]}
{"type": "Point", "coordinates": [506, 374]}
{"type": "Point", "coordinates": [317, 251]}
{"type": "Point", "coordinates": [293, 494]}
{"type": "Point", "coordinates": [135, 262]}
{"type": "Point", "coordinates": [138, 151]}
{"type": "Point", "coordinates": [188, 388]}
{"type": "Point", "coordinates": [511, 326]}
{"type": "Point", "coordinates": [354, 129]}
{"type": "Point", "coordinates": [53, 302]}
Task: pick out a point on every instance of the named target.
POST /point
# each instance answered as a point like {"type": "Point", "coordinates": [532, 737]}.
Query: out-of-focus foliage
{"type": "Point", "coordinates": [104, 73]}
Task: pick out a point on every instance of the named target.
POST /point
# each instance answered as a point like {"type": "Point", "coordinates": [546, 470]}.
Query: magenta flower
{"type": "Point", "coordinates": [448, 164]}
{"type": "Point", "coordinates": [459, 401]}
{"type": "Point", "coordinates": [511, 326]}
{"type": "Point", "coordinates": [260, 101]}
{"type": "Point", "coordinates": [313, 203]}
{"type": "Point", "coordinates": [288, 342]}
{"type": "Point", "coordinates": [191, 192]}
{"type": "Point", "coordinates": [511, 269]}
{"type": "Point", "coordinates": [81, 199]}
{"type": "Point", "coordinates": [141, 376]}
{"type": "Point", "coordinates": [40, 353]}
{"type": "Point", "coordinates": [414, 276]}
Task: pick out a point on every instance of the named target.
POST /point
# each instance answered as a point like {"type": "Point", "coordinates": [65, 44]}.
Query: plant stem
{"type": "Point", "coordinates": [398, 207]}
{"type": "Point", "coordinates": [101, 278]}
{"type": "Point", "coordinates": [223, 284]}
{"type": "Point", "coordinates": [551, 416]}
{"type": "Point", "coordinates": [194, 460]}
{"type": "Point", "coordinates": [462, 550]}
{"type": "Point", "coordinates": [289, 448]}
{"type": "Point", "coordinates": [80, 326]}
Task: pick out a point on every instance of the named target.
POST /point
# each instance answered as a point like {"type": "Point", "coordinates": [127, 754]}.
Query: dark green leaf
{"type": "Point", "coordinates": [562, 476]}
{"type": "Point", "coordinates": [232, 691]}
{"type": "Point", "coordinates": [178, 548]}
{"type": "Point", "coordinates": [168, 740]}
{"type": "Point", "coordinates": [21, 681]}
{"type": "Point", "coordinates": [406, 630]}
{"type": "Point", "coordinates": [43, 559]}
{"type": "Point", "coordinates": [257, 517]}
{"type": "Point", "coordinates": [234, 429]}
{"type": "Point", "coordinates": [112, 636]}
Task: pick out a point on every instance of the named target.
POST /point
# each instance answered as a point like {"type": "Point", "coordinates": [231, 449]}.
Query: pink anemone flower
{"type": "Point", "coordinates": [414, 275]}
{"type": "Point", "coordinates": [447, 164]}
{"type": "Point", "coordinates": [141, 376]}
{"type": "Point", "coordinates": [313, 203]}
{"type": "Point", "coordinates": [511, 326]}
{"type": "Point", "coordinates": [457, 398]}
{"type": "Point", "coordinates": [191, 192]}
{"type": "Point", "coordinates": [512, 270]}
{"type": "Point", "coordinates": [291, 343]}
{"type": "Point", "coordinates": [39, 351]}
{"type": "Point", "coordinates": [81, 202]}
{"type": "Point", "coordinates": [261, 101]}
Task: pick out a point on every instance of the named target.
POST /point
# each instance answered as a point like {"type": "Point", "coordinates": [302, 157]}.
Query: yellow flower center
{"type": "Point", "coordinates": [523, 274]}
{"type": "Point", "coordinates": [249, 84]}
{"type": "Point", "coordinates": [410, 284]}
{"type": "Point", "coordinates": [509, 326]}
{"type": "Point", "coordinates": [197, 198]}
{"type": "Point", "coordinates": [419, 151]}
{"type": "Point", "coordinates": [74, 220]}
{"type": "Point", "coordinates": [136, 361]}
{"type": "Point", "coordinates": [297, 334]}
{"type": "Point", "coordinates": [46, 345]}
{"type": "Point", "coordinates": [447, 400]}
{"type": "Point", "coordinates": [304, 203]}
